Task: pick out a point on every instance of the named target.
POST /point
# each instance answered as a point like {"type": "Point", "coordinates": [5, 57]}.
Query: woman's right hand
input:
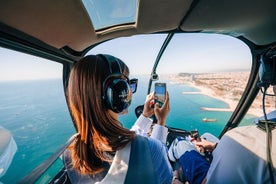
{"type": "Point", "coordinates": [148, 110]}
{"type": "Point", "coordinates": [161, 113]}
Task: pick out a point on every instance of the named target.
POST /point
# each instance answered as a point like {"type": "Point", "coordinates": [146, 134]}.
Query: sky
{"type": "Point", "coordinates": [190, 53]}
{"type": "Point", "coordinates": [19, 66]}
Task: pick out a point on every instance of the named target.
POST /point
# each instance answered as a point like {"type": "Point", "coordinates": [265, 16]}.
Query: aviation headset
{"type": "Point", "coordinates": [116, 92]}
{"type": "Point", "coordinates": [267, 70]}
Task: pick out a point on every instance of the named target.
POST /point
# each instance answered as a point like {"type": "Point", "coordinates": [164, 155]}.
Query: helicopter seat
{"type": "Point", "coordinates": [241, 156]}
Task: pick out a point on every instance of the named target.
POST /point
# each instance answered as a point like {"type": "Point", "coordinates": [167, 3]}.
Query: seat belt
{"type": "Point", "coordinates": [132, 164]}
{"type": "Point", "coordinates": [119, 167]}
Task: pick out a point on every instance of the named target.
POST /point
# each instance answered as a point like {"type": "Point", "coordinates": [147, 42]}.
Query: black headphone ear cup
{"type": "Point", "coordinates": [118, 95]}
{"type": "Point", "coordinates": [267, 70]}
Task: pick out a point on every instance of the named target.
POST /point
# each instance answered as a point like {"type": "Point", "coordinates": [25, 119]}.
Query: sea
{"type": "Point", "coordinates": [36, 114]}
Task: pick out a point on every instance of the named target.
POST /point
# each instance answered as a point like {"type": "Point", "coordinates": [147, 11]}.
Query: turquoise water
{"type": "Point", "coordinates": [35, 112]}
{"type": "Point", "coordinates": [186, 110]}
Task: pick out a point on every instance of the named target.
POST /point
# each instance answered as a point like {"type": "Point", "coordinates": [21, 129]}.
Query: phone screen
{"type": "Point", "coordinates": [160, 93]}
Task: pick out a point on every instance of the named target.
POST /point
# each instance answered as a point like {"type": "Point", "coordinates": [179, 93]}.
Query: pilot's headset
{"type": "Point", "coordinates": [267, 70]}
{"type": "Point", "coordinates": [116, 92]}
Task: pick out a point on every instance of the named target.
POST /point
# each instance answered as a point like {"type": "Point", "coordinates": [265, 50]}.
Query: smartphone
{"type": "Point", "coordinates": [160, 93]}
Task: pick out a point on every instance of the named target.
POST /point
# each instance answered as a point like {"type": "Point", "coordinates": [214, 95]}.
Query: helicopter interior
{"type": "Point", "coordinates": [65, 31]}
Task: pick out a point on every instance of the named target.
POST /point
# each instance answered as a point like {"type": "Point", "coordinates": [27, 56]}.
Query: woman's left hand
{"type": "Point", "coordinates": [161, 113]}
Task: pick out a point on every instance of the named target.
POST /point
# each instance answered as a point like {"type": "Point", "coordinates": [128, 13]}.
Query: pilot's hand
{"type": "Point", "coordinates": [162, 113]}
{"type": "Point", "coordinates": [207, 145]}
{"type": "Point", "coordinates": [148, 111]}
{"type": "Point", "coordinates": [176, 178]}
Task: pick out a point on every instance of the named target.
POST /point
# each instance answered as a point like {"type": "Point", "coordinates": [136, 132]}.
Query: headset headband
{"type": "Point", "coordinates": [113, 64]}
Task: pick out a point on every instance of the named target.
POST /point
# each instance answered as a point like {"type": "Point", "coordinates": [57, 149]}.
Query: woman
{"type": "Point", "coordinates": [98, 92]}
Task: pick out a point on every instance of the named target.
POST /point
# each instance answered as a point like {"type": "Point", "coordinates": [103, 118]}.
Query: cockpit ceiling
{"type": "Point", "coordinates": [255, 20]}
{"type": "Point", "coordinates": [66, 23]}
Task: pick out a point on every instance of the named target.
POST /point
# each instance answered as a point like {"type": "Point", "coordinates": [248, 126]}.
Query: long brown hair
{"type": "Point", "coordinates": [99, 132]}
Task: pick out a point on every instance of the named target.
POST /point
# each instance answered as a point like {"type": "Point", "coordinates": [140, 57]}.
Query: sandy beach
{"type": "Point", "coordinates": [211, 93]}
{"type": "Point", "coordinates": [227, 87]}
{"type": "Point", "coordinates": [255, 110]}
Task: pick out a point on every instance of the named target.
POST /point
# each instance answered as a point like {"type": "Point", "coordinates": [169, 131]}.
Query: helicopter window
{"type": "Point", "coordinates": [270, 103]}
{"type": "Point", "coordinates": [206, 75]}
{"type": "Point", "coordinates": [33, 109]}
{"type": "Point", "coordinates": [105, 14]}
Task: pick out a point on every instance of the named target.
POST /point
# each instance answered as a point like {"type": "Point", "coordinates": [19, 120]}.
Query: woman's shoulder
{"type": "Point", "coordinates": [152, 153]}
{"type": "Point", "coordinates": [151, 146]}
{"type": "Point", "coordinates": [152, 142]}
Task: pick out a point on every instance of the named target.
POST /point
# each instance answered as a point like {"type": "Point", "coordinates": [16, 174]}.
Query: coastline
{"type": "Point", "coordinates": [257, 112]}
{"type": "Point", "coordinates": [227, 87]}
{"type": "Point", "coordinates": [209, 92]}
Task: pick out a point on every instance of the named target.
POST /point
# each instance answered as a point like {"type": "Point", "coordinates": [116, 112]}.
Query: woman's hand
{"type": "Point", "coordinates": [148, 110]}
{"type": "Point", "coordinates": [161, 113]}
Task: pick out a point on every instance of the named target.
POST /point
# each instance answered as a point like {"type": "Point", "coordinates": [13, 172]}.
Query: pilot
{"type": "Point", "coordinates": [239, 157]}
{"type": "Point", "coordinates": [194, 155]}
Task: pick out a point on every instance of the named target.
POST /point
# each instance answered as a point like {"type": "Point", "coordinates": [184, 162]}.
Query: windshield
{"type": "Point", "coordinates": [205, 74]}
